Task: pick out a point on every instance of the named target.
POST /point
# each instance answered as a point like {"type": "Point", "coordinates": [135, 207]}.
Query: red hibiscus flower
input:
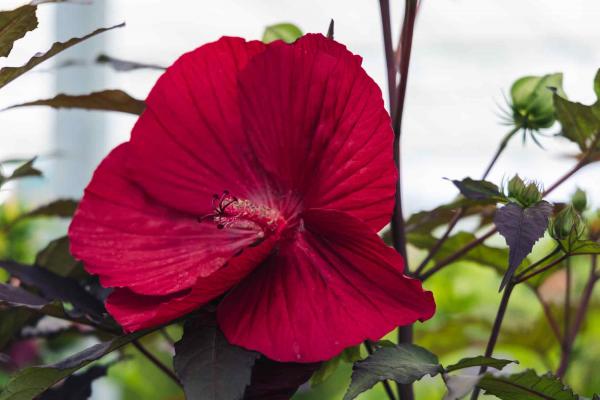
{"type": "Point", "coordinates": [295, 141]}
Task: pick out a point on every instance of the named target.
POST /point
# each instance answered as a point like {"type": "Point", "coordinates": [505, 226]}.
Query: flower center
{"type": "Point", "coordinates": [232, 212]}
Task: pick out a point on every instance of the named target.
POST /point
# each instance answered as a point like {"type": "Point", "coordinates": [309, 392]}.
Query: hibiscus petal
{"type": "Point", "coordinates": [131, 241]}
{"type": "Point", "coordinates": [134, 311]}
{"type": "Point", "coordinates": [316, 125]}
{"type": "Point", "coordinates": [186, 145]}
{"type": "Point", "coordinates": [332, 287]}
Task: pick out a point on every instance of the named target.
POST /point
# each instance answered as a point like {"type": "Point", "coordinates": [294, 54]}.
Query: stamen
{"type": "Point", "coordinates": [232, 212]}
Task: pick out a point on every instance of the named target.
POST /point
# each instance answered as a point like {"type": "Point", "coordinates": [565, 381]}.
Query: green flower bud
{"type": "Point", "coordinates": [531, 101]}
{"type": "Point", "coordinates": [579, 200]}
{"type": "Point", "coordinates": [567, 225]}
{"type": "Point", "coordinates": [525, 194]}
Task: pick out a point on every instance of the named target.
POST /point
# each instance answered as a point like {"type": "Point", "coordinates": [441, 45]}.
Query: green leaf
{"type": "Point", "coordinates": [106, 100]}
{"type": "Point", "coordinates": [31, 382]}
{"type": "Point", "coordinates": [479, 361]}
{"type": "Point", "coordinates": [285, 31]}
{"type": "Point", "coordinates": [581, 247]}
{"type": "Point", "coordinates": [14, 24]}
{"type": "Point", "coordinates": [426, 221]}
{"type": "Point", "coordinates": [404, 363]}
{"type": "Point", "coordinates": [56, 257]}
{"type": "Point", "coordinates": [526, 386]}
{"type": "Point", "coordinates": [62, 208]}
{"type": "Point", "coordinates": [208, 366]}
{"type": "Point", "coordinates": [531, 100]}
{"type": "Point", "coordinates": [597, 84]}
{"type": "Point", "coordinates": [8, 74]}
{"type": "Point", "coordinates": [326, 370]}
{"type": "Point", "coordinates": [580, 123]}
{"type": "Point", "coordinates": [478, 189]}
{"type": "Point", "coordinates": [521, 228]}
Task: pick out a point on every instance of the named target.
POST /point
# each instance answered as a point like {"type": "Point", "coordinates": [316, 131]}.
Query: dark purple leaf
{"type": "Point", "coordinates": [273, 380]}
{"type": "Point", "coordinates": [106, 100]}
{"type": "Point", "coordinates": [209, 367]}
{"type": "Point", "coordinates": [521, 228]}
{"type": "Point", "coordinates": [477, 190]}
{"type": "Point", "coordinates": [76, 387]}
{"type": "Point", "coordinates": [54, 287]}
{"type": "Point", "coordinates": [14, 24]}
{"type": "Point", "coordinates": [124, 65]}
{"type": "Point", "coordinates": [8, 74]}
{"type": "Point", "coordinates": [16, 296]}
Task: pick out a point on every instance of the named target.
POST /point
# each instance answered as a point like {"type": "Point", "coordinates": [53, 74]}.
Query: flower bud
{"type": "Point", "coordinates": [531, 101]}
{"type": "Point", "coordinates": [579, 200]}
{"type": "Point", "coordinates": [525, 194]}
{"type": "Point", "coordinates": [567, 225]}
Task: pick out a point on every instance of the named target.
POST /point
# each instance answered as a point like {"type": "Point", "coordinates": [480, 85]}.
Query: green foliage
{"type": "Point", "coordinates": [284, 31]}
{"type": "Point", "coordinates": [328, 368]}
{"type": "Point", "coordinates": [403, 363]}
{"type": "Point", "coordinates": [479, 361]}
{"type": "Point", "coordinates": [531, 101]}
{"type": "Point", "coordinates": [203, 354]}
{"type": "Point", "coordinates": [580, 123]}
{"type": "Point", "coordinates": [31, 382]}
{"type": "Point", "coordinates": [526, 385]}
{"type": "Point", "coordinates": [106, 100]}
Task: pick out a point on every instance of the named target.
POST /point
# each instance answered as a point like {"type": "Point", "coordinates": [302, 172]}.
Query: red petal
{"type": "Point", "coordinates": [316, 123]}
{"type": "Point", "coordinates": [186, 146]}
{"type": "Point", "coordinates": [134, 311]}
{"type": "Point", "coordinates": [131, 241]}
{"type": "Point", "coordinates": [334, 286]}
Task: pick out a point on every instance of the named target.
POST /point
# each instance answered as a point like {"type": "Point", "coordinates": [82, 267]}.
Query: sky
{"type": "Point", "coordinates": [466, 54]}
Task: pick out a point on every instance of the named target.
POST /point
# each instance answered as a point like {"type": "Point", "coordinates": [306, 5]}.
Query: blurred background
{"type": "Point", "coordinates": [466, 54]}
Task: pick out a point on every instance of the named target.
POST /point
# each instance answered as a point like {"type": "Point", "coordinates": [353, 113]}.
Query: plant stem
{"type": "Point", "coordinates": [541, 260]}
{"type": "Point", "coordinates": [523, 276]}
{"type": "Point", "coordinates": [456, 255]}
{"type": "Point", "coordinates": [438, 245]}
{"type": "Point", "coordinates": [567, 300]}
{"type": "Point", "coordinates": [549, 316]}
{"type": "Point", "coordinates": [501, 148]}
{"type": "Point", "coordinates": [466, 248]}
{"type": "Point", "coordinates": [156, 361]}
{"type": "Point", "coordinates": [489, 350]}
{"type": "Point", "coordinates": [398, 230]}
{"type": "Point", "coordinates": [459, 214]}
{"type": "Point", "coordinates": [386, 385]}
{"type": "Point", "coordinates": [571, 335]}
{"type": "Point", "coordinates": [392, 71]}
